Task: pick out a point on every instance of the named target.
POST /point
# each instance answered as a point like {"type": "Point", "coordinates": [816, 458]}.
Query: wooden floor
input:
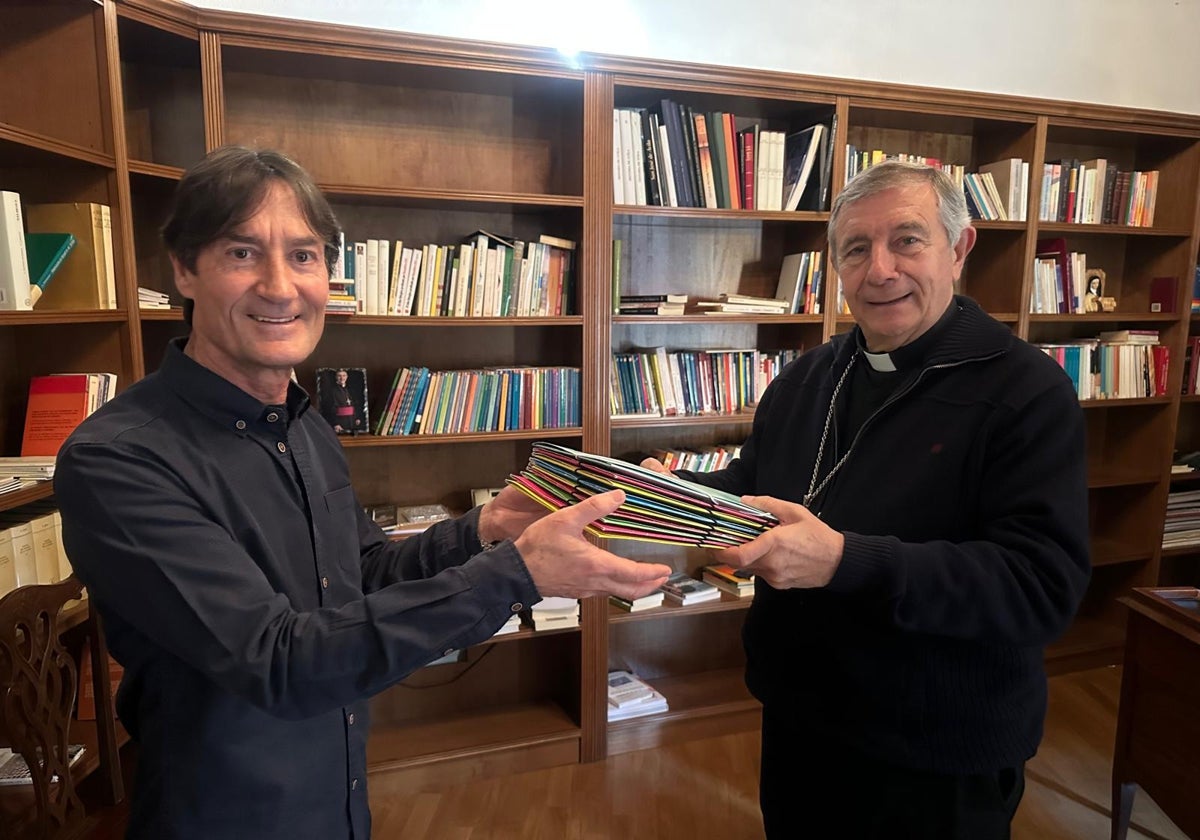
{"type": "Point", "coordinates": [708, 789]}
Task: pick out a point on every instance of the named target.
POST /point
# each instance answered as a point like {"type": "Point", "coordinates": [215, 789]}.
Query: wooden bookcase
{"type": "Point", "coordinates": [426, 140]}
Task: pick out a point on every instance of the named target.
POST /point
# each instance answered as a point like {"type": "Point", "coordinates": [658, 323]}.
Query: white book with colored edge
{"type": "Point", "coordinates": [14, 263]}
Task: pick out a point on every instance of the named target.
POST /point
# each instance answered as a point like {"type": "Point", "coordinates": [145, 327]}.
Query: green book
{"type": "Point", "coordinates": [46, 252]}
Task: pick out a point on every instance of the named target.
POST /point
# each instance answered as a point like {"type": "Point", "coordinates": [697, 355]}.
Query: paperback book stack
{"type": "Point", "coordinates": [151, 299]}
{"type": "Point", "coordinates": [744, 305]}
{"type": "Point", "coordinates": [555, 614]}
{"type": "Point", "coordinates": [18, 472]}
{"type": "Point", "coordinates": [511, 626]}
{"type": "Point", "coordinates": [728, 579]}
{"type": "Point", "coordinates": [629, 697]}
{"type": "Point", "coordinates": [657, 508]}
{"type": "Point", "coordinates": [664, 304]}
{"type": "Point", "coordinates": [646, 602]}
{"type": "Point", "coordinates": [683, 589]}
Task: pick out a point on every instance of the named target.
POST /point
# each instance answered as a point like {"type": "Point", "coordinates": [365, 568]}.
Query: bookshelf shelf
{"type": "Point", "coordinates": [27, 495]}
{"type": "Point", "coordinates": [155, 170]}
{"type": "Point", "coordinates": [1126, 403]}
{"type": "Point", "coordinates": [745, 418]}
{"type": "Point", "coordinates": [436, 199]}
{"type": "Point", "coordinates": [1102, 319]}
{"type": "Point", "coordinates": [796, 216]}
{"type": "Point", "coordinates": [175, 313]}
{"type": "Point", "coordinates": [726, 602]}
{"type": "Point", "coordinates": [430, 322]}
{"type": "Point", "coordinates": [472, 736]}
{"type": "Point", "coordinates": [1122, 479]}
{"type": "Point", "coordinates": [475, 437]}
{"type": "Point", "coordinates": [27, 148]}
{"type": "Point", "coordinates": [718, 318]}
{"type": "Point", "coordinates": [64, 316]}
{"type": "Point", "coordinates": [1078, 229]}
{"type": "Point", "coordinates": [706, 702]}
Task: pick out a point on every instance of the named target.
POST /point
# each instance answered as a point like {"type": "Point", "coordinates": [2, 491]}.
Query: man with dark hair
{"type": "Point", "coordinates": [253, 603]}
{"type": "Point", "coordinates": [929, 473]}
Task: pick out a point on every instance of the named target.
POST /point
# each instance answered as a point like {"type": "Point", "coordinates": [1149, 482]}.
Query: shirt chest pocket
{"type": "Point", "coordinates": [338, 532]}
{"type": "Point", "coordinates": [339, 501]}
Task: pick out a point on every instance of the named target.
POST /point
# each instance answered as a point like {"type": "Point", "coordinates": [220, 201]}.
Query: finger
{"type": "Point", "coordinates": [741, 556]}
{"type": "Point", "coordinates": [590, 509]}
{"type": "Point", "coordinates": [632, 571]}
{"type": "Point", "coordinates": [785, 512]}
{"type": "Point", "coordinates": [655, 465]}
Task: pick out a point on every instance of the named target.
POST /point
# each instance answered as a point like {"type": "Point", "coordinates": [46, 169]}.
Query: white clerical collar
{"type": "Point", "coordinates": [880, 361]}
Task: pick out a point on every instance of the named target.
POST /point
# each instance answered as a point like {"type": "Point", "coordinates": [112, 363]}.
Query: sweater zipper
{"type": "Point", "coordinates": [896, 397]}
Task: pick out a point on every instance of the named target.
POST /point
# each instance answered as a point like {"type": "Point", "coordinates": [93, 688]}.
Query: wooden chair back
{"type": "Point", "coordinates": [37, 694]}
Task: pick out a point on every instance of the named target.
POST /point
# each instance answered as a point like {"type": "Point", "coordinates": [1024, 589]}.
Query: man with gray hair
{"type": "Point", "coordinates": [929, 472]}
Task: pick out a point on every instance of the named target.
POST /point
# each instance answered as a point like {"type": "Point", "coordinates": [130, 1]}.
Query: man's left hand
{"type": "Point", "coordinates": [507, 515]}
{"type": "Point", "coordinates": [801, 552]}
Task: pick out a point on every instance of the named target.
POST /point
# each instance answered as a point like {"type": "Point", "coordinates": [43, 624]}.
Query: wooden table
{"type": "Point", "coordinates": [1158, 723]}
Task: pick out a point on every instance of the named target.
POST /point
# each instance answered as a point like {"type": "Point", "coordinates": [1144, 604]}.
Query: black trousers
{"type": "Point", "coordinates": [814, 788]}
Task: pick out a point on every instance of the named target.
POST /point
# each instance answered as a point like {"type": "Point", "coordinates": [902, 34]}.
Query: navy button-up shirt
{"type": "Point", "coordinates": [254, 605]}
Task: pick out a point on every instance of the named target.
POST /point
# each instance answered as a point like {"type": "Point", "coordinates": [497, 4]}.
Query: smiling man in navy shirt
{"type": "Point", "coordinates": [210, 513]}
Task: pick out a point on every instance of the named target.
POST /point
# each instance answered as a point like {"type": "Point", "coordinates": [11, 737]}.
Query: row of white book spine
{"type": "Point", "coordinates": [31, 547]}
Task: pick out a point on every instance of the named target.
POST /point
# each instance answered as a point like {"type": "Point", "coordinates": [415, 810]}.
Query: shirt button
{"type": "Point", "coordinates": [324, 583]}
{"type": "Point", "coordinates": [354, 784]}
{"type": "Point", "coordinates": [517, 607]}
{"type": "Point", "coordinates": [272, 417]}
{"type": "Point", "coordinates": [447, 651]}
{"type": "Point", "coordinates": [241, 424]}
{"type": "Point", "coordinates": [350, 719]}
{"type": "Point", "coordinates": [281, 446]}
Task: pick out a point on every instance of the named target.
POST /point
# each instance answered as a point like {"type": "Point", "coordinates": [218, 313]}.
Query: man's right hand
{"type": "Point", "coordinates": [562, 562]}
{"type": "Point", "coordinates": [655, 465]}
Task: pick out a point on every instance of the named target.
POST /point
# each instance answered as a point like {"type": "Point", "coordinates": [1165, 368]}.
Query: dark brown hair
{"type": "Point", "coordinates": [226, 188]}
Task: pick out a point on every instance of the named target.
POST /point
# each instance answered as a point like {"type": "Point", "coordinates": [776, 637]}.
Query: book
{"type": "Point", "coordinates": [83, 279]}
{"type": "Point", "coordinates": [630, 697]}
{"type": "Point", "coordinates": [625, 690]}
{"type": "Point", "coordinates": [15, 771]}
{"type": "Point", "coordinates": [727, 579]}
{"type": "Point", "coordinates": [646, 602]}
{"type": "Point", "coordinates": [1130, 336]}
{"type": "Point", "coordinates": [800, 157]}
{"type": "Point", "coordinates": [57, 404]}
{"type": "Point", "coordinates": [657, 508]}
{"type": "Point", "coordinates": [793, 274]}
{"type": "Point", "coordinates": [15, 292]}
{"type": "Point", "coordinates": [1006, 177]}
{"type": "Point", "coordinates": [684, 589]}
{"type": "Point", "coordinates": [46, 252]}
{"type": "Point", "coordinates": [1162, 293]}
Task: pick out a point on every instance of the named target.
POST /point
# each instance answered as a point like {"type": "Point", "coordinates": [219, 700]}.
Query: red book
{"type": "Point", "coordinates": [747, 138]}
{"type": "Point", "coordinates": [57, 404]}
{"type": "Point", "coordinates": [1162, 294]}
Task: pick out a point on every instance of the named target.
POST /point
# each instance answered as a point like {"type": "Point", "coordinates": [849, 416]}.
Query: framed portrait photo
{"type": "Point", "coordinates": [342, 399]}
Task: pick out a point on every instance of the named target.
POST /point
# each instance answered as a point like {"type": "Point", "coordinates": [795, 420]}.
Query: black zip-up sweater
{"type": "Point", "coordinates": [963, 503]}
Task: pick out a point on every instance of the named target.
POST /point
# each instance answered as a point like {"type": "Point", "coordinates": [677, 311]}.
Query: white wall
{"type": "Point", "coordinates": [1136, 53]}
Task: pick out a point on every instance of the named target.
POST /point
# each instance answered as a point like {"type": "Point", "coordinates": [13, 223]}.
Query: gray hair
{"type": "Point", "coordinates": [889, 174]}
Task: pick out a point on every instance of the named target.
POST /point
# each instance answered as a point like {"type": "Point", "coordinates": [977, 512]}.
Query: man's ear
{"type": "Point", "coordinates": [966, 241]}
{"type": "Point", "coordinates": [185, 281]}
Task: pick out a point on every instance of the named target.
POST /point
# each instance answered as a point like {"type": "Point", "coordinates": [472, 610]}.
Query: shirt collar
{"type": "Point", "coordinates": [914, 353]}
{"type": "Point", "coordinates": [219, 399]}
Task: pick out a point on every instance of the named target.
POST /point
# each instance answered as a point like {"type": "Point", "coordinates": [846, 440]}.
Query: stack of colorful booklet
{"type": "Point", "coordinates": [658, 508]}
